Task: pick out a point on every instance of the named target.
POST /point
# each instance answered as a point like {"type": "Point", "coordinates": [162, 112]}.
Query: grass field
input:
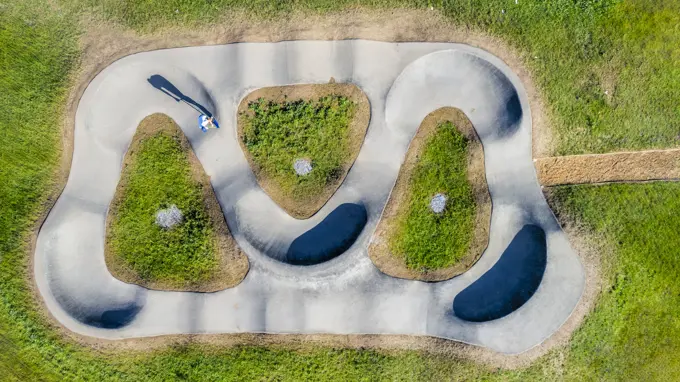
{"type": "Point", "coordinates": [577, 49]}
{"type": "Point", "coordinates": [277, 134]}
{"type": "Point", "coordinates": [634, 333]}
{"type": "Point", "coordinates": [607, 68]}
{"type": "Point", "coordinates": [38, 54]}
{"type": "Point", "coordinates": [427, 240]}
{"type": "Point", "coordinates": [158, 175]}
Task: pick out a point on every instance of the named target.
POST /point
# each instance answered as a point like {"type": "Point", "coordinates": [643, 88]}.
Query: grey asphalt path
{"type": "Point", "coordinates": [344, 295]}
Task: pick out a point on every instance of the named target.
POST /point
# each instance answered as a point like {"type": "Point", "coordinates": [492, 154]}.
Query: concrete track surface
{"type": "Point", "coordinates": [521, 291]}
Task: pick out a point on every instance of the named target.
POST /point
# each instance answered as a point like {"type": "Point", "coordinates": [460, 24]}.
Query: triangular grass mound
{"type": "Point", "coordinates": [283, 130]}
{"type": "Point", "coordinates": [188, 247]}
{"type": "Point", "coordinates": [436, 222]}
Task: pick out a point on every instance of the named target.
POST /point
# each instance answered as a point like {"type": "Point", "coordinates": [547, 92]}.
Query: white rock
{"type": "Point", "coordinates": [169, 217]}
{"type": "Point", "coordinates": [438, 203]}
{"type": "Point", "coordinates": [302, 167]}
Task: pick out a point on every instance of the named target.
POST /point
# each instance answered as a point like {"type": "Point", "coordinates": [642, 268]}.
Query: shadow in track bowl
{"type": "Point", "coordinates": [114, 318]}
{"type": "Point", "coordinates": [512, 117]}
{"type": "Point", "coordinates": [94, 307]}
{"type": "Point", "coordinates": [510, 283]}
{"type": "Point", "coordinates": [330, 238]}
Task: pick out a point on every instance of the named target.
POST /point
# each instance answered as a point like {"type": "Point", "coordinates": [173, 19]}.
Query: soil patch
{"type": "Point", "coordinates": [233, 264]}
{"type": "Point", "coordinates": [378, 249]}
{"type": "Point", "coordinates": [296, 206]}
{"type": "Point", "coordinates": [634, 166]}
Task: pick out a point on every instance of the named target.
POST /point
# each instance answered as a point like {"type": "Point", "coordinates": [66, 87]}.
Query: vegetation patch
{"type": "Point", "coordinates": [165, 228]}
{"type": "Point", "coordinates": [284, 129]}
{"type": "Point", "coordinates": [634, 331]}
{"type": "Point", "coordinates": [444, 165]}
{"type": "Point", "coordinates": [578, 50]}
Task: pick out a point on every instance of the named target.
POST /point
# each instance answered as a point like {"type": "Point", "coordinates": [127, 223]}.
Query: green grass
{"type": "Point", "coordinates": [607, 68]}
{"type": "Point", "coordinates": [427, 240]}
{"type": "Point", "coordinates": [37, 53]}
{"type": "Point", "coordinates": [634, 333]}
{"type": "Point", "coordinates": [36, 58]}
{"type": "Point", "coordinates": [149, 16]}
{"type": "Point", "coordinates": [159, 176]}
{"type": "Point", "coordinates": [631, 335]}
{"type": "Point", "coordinates": [276, 134]}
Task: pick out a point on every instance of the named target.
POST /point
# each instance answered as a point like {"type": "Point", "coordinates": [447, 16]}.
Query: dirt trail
{"type": "Point", "coordinates": [634, 166]}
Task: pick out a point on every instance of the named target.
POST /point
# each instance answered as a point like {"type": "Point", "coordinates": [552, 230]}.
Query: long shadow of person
{"type": "Point", "coordinates": [162, 84]}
